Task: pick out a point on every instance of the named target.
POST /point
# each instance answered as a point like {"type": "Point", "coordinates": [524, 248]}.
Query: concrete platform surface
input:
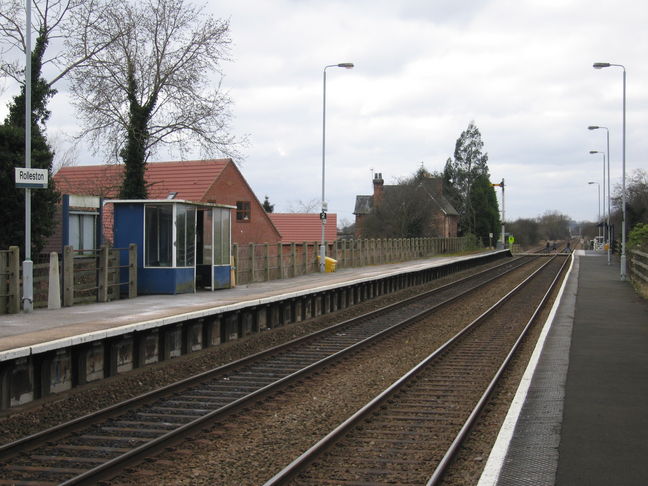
{"type": "Point", "coordinates": [41, 330]}
{"type": "Point", "coordinates": [582, 419]}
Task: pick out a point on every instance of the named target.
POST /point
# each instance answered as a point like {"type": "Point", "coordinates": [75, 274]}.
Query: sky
{"type": "Point", "coordinates": [521, 70]}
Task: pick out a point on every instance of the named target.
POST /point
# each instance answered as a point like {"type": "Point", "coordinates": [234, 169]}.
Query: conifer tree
{"type": "Point", "coordinates": [12, 155]}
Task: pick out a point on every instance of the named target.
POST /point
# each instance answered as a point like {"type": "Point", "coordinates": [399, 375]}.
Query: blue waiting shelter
{"type": "Point", "coordinates": [182, 246]}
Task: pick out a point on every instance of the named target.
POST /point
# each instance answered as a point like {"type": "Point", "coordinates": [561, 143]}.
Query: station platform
{"type": "Point", "coordinates": [579, 416]}
{"type": "Point", "coordinates": [43, 329]}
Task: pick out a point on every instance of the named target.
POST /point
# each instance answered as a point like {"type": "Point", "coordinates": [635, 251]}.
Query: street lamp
{"type": "Point", "coordinates": [609, 194]}
{"type": "Point", "coordinates": [601, 65]}
{"type": "Point", "coordinates": [322, 252]}
{"type": "Point", "coordinates": [599, 198]}
{"type": "Point", "coordinates": [597, 152]}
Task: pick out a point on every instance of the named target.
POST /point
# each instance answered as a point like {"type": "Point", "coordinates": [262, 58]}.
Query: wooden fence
{"type": "Point", "coordinates": [10, 280]}
{"type": "Point", "coordinates": [639, 271]}
{"type": "Point", "coordinates": [84, 276]}
{"type": "Point", "coordinates": [263, 262]}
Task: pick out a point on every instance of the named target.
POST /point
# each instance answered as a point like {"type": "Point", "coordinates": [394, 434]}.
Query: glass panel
{"type": "Point", "coordinates": [88, 231]}
{"type": "Point", "coordinates": [74, 236]}
{"type": "Point", "coordinates": [158, 235]}
{"type": "Point", "coordinates": [190, 232]}
{"type": "Point", "coordinates": [208, 237]}
{"type": "Point", "coordinates": [227, 235]}
{"type": "Point", "coordinates": [181, 235]}
{"type": "Point", "coordinates": [218, 236]}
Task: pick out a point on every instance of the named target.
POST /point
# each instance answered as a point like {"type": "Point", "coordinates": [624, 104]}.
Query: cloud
{"type": "Point", "coordinates": [521, 69]}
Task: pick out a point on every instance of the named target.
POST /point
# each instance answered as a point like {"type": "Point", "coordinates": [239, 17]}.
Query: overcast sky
{"type": "Point", "coordinates": [520, 69]}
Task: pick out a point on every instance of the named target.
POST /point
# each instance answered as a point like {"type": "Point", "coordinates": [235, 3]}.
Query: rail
{"type": "Point", "coordinates": [423, 374]}
{"type": "Point", "coordinates": [225, 390]}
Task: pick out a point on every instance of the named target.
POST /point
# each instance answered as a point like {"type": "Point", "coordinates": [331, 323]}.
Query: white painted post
{"type": "Point", "coordinates": [54, 286]}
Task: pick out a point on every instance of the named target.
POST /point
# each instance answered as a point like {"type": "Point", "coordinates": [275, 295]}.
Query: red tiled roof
{"type": "Point", "coordinates": [300, 227]}
{"type": "Point", "coordinates": [191, 179]}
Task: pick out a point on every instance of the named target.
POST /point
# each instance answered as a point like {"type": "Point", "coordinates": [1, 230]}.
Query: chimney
{"type": "Point", "coordinates": [378, 183]}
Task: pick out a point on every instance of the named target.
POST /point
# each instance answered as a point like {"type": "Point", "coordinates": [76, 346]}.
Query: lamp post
{"type": "Point", "coordinates": [597, 152]}
{"type": "Point", "coordinates": [609, 194]}
{"type": "Point", "coordinates": [599, 198]}
{"type": "Point", "coordinates": [322, 250]}
{"type": "Point", "coordinates": [601, 65]}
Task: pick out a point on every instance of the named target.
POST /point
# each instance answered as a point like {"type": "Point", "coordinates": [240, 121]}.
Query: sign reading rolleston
{"type": "Point", "coordinates": [31, 178]}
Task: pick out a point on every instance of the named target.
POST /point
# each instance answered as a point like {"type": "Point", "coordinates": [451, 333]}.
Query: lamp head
{"type": "Point", "coordinates": [601, 65]}
{"type": "Point", "coordinates": [592, 182]}
{"type": "Point", "coordinates": [346, 65]}
{"type": "Point", "coordinates": [593, 127]}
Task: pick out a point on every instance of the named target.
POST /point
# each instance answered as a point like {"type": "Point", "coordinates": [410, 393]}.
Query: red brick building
{"type": "Point", "coordinates": [215, 180]}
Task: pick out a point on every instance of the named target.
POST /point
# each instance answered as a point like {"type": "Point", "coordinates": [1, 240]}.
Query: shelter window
{"type": "Point", "coordinates": [83, 231]}
{"type": "Point", "coordinates": [158, 229]}
{"type": "Point", "coordinates": [222, 242]}
{"type": "Point", "coordinates": [185, 236]}
{"type": "Point", "coordinates": [243, 211]}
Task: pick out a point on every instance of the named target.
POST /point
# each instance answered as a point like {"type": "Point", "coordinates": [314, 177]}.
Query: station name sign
{"type": "Point", "coordinates": [31, 178]}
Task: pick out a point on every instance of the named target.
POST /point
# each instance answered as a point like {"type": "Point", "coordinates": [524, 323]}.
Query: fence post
{"type": "Point", "coordinates": [235, 254]}
{"type": "Point", "coordinates": [132, 271]}
{"type": "Point", "coordinates": [305, 258]}
{"type": "Point", "coordinates": [68, 276]}
{"type": "Point", "coordinates": [102, 284]}
{"type": "Point", "coordinates": [280, 262]}
{"type": "Point", "coordinates": [14, 280]}
{"type": "Point", "coordinates": [252, 261]}
{"type": "Point", "coordinates": [54, 283]}
{"type": "Point", "coordinates": [293, 258]}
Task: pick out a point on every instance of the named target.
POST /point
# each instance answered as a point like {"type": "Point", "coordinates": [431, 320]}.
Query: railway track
{"type": "Point", "coordinates": [101, 444]}
{"type": "Point", "coordinates": [411, 432]}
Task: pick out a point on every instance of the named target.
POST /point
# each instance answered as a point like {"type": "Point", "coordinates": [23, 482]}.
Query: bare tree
{"type": "Point", "coordinates": [54, 21]}
{"type": "Point", "coordinates": [310, 206]}
{"type": "Point", "coordinates": [158, 84]}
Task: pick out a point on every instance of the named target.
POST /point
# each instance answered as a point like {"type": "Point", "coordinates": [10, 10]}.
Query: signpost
{"type": "Point", "coordinates": [28, 179]}
{"type": "Point", "coordinates": [31, 178]}
{"type": "Point", "coordinates": [28, 264]}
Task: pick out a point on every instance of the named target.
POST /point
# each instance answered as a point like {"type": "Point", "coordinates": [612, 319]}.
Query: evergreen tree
{"type": "Point", "coordinates": [486, 215]}
{"type": "Point", "coordinates": [460, 178]}
{"type": "Point", "coordinates": [12, 155]}
{"type": "Point", "coordinates": [267, 207]}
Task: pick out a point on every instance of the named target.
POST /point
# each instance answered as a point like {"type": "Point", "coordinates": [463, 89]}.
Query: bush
{"type": "Point", "coordinates": [638, 237]}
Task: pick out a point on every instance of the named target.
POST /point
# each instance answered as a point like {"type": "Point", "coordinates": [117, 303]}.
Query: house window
{"type": "Point", "coordinates": [159, 236]}
{"type": "Point", "coordinates": [83, 231]}
{"type": "Point", "coordinates": [243, 211]}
